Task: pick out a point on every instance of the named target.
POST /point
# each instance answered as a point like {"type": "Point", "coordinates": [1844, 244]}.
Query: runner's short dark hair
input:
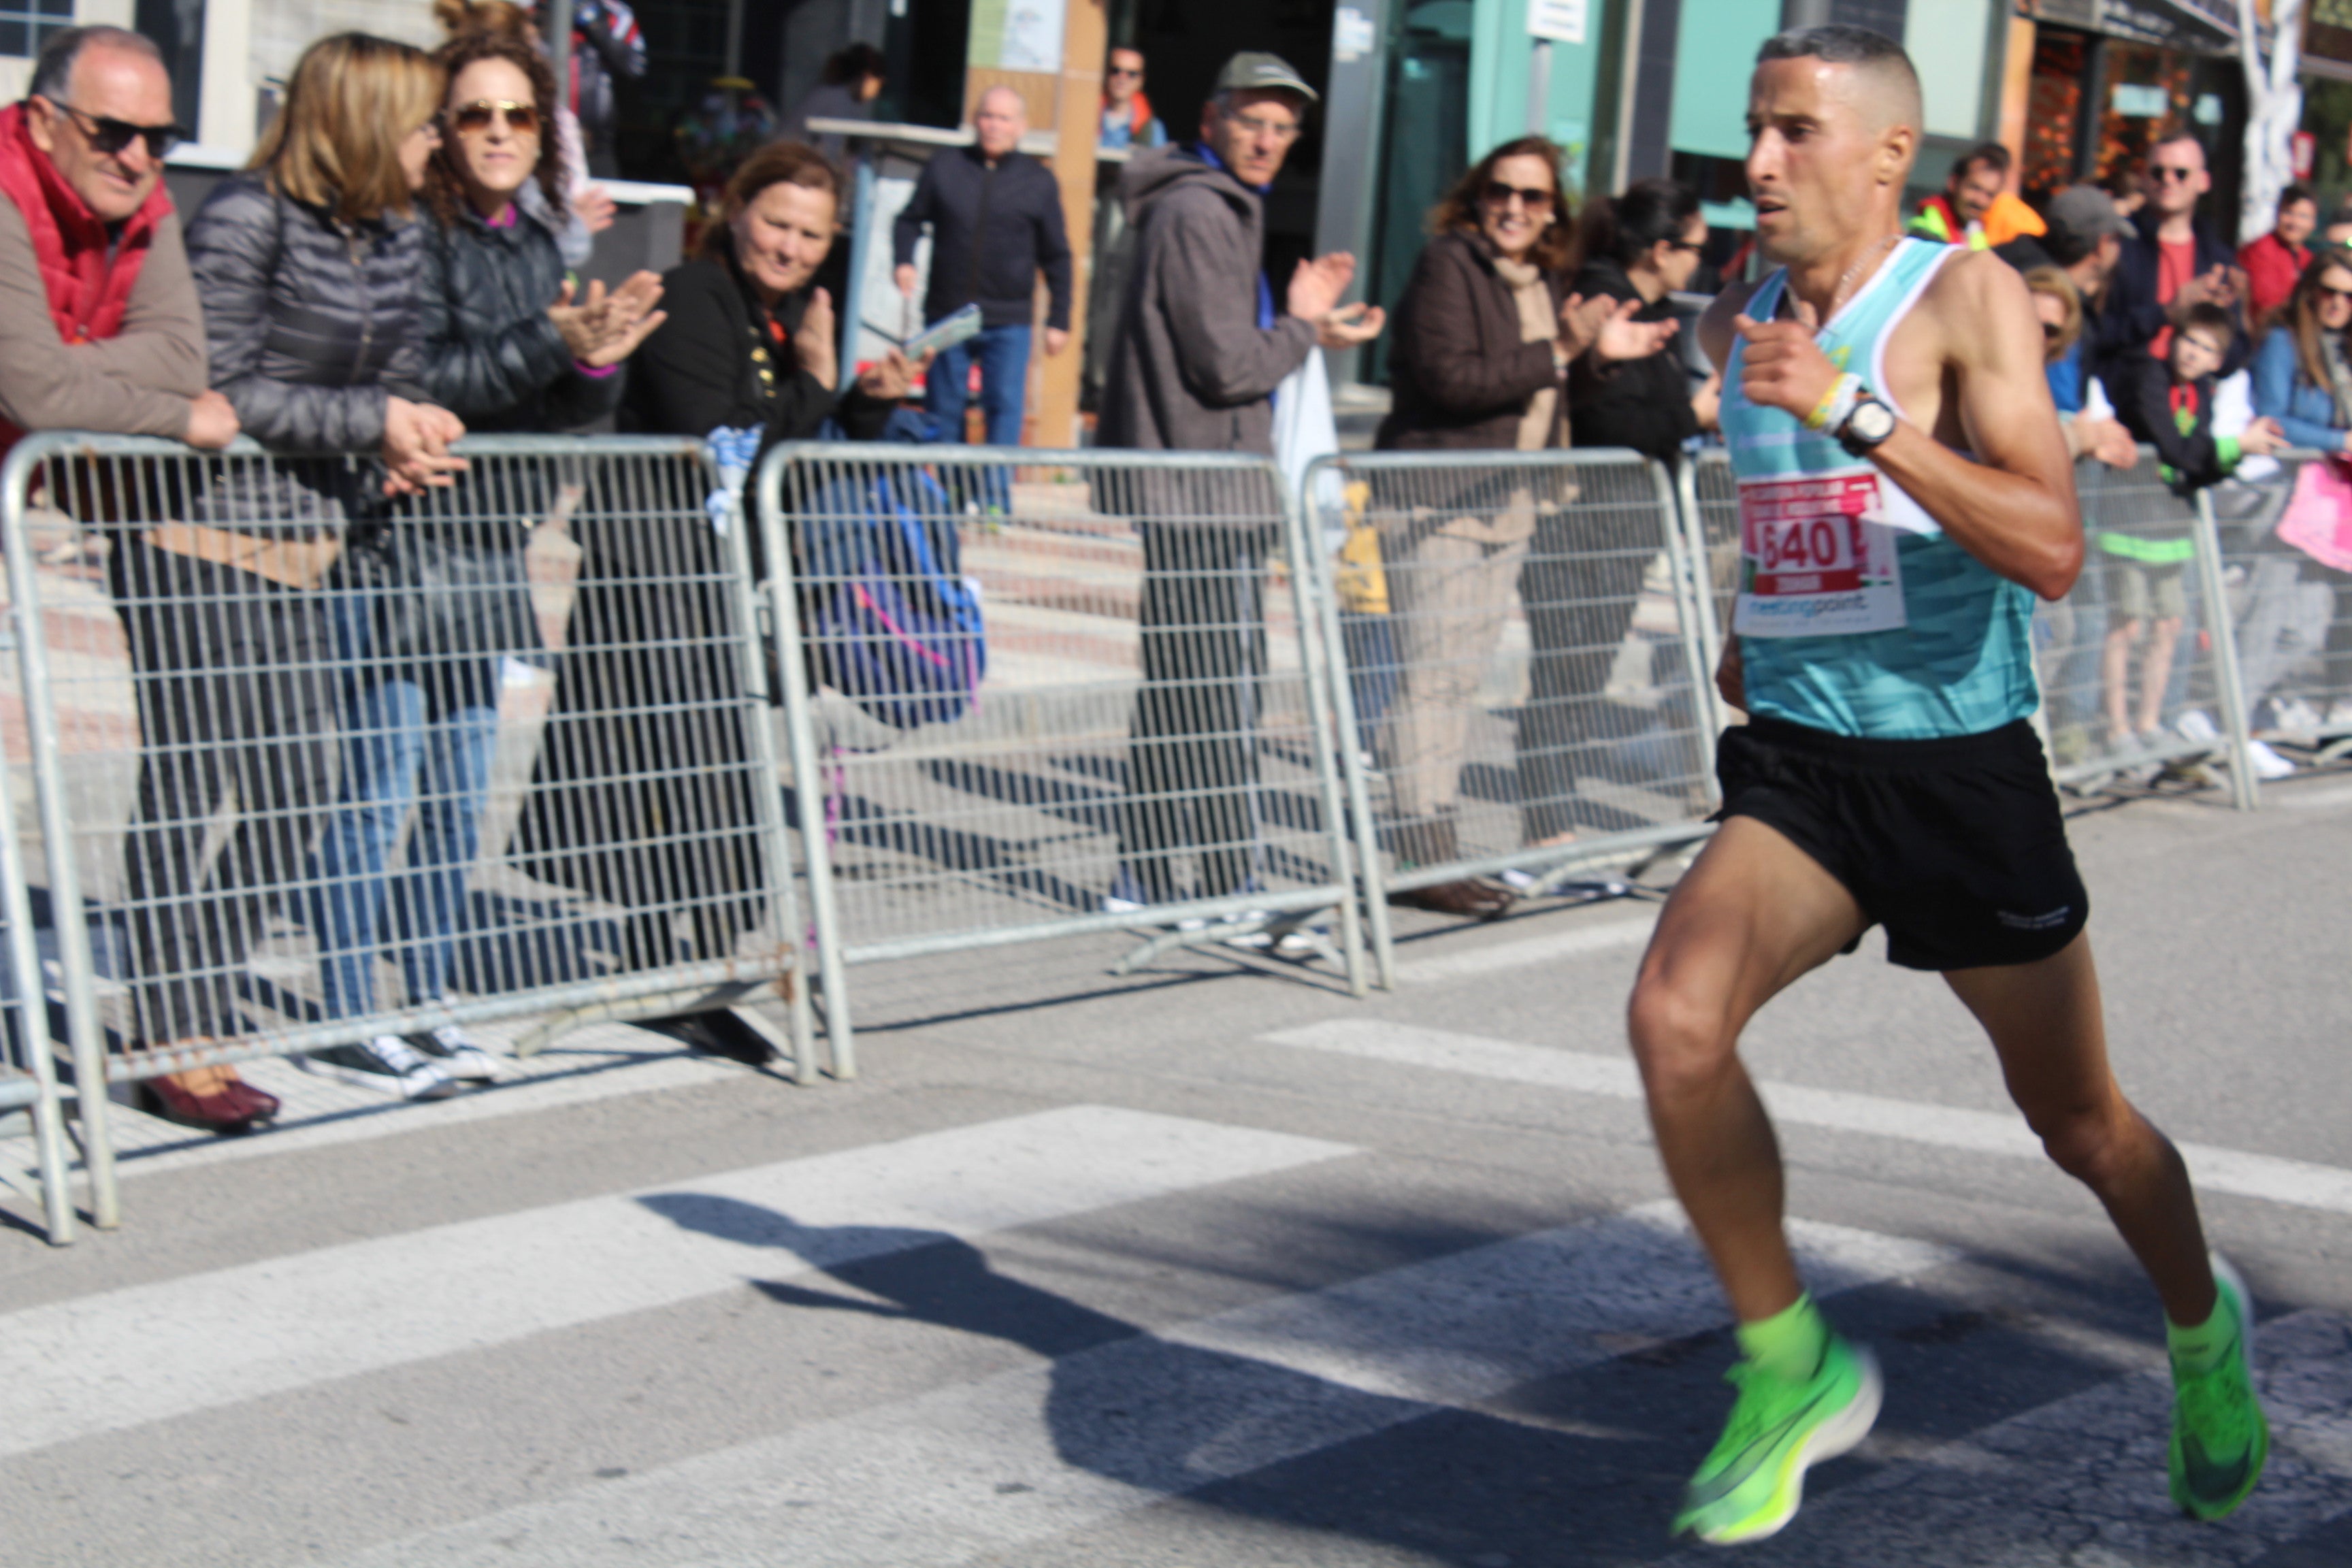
{"type": "Point", "coordinates": [1843, 44]}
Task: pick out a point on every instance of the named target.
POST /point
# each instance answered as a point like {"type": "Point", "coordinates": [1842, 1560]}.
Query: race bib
{"type": "Point", "coordinates": [1817, 557]}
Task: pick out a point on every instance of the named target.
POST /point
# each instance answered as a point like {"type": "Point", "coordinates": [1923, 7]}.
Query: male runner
{"type": "Point", "coordinates": [1905, 494]}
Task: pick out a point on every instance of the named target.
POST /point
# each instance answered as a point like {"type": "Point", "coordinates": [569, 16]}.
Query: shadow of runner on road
{"type": "Point", "coordinates": [1583, 1467]}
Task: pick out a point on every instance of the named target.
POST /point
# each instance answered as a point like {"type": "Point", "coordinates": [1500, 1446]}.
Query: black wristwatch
{"type": "Point", "coordinates": [1867, 424]}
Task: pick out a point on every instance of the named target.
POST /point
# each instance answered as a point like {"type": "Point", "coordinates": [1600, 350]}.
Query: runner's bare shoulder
{"type": "Point", "coordinates": [1977, 299]}
{"type": "Point", "coordinates": [1716, 331]}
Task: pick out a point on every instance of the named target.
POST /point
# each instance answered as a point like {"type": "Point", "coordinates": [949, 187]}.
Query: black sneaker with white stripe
{"type": "Point", "coordinates": [387, 1064]}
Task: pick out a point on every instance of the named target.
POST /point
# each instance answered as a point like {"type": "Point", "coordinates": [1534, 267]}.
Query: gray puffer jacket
{"type": "Point", "coordinates": [310, 324]}
{"type": "Point", "coordinates": [1191, 369]}
{"type": "Point", "coordinates": [493, 356]}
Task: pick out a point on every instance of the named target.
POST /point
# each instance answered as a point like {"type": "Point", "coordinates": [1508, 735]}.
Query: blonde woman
{"type": "Point", "coordinates": [309, 264]}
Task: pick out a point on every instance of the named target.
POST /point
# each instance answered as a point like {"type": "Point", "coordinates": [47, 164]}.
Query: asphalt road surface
{"type": "Point", "coordinates": [1213, 1266]}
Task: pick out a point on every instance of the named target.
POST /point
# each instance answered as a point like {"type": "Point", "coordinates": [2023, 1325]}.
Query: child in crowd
{"type": "Point", "coordinates": [2168, 404]}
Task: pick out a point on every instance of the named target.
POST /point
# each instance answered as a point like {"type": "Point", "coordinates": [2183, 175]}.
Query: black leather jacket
{"type": "Point", "coordinates": [492, 357]}
{"type": "Point", "coordinates": [310, 324]}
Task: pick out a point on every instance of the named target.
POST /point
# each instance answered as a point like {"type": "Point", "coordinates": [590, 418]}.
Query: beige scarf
{"type": "Point", "coordinates": [1538, 324]}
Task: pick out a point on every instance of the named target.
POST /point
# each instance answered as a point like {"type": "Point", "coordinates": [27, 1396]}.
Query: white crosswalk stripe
{"type": "Point", "coordinates": [98, 1363]}
{"type": "Point", "coordinates": [2216, 1170]}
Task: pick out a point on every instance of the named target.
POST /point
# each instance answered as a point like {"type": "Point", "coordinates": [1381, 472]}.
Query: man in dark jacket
{"type": "Point", "coordinates": [1200, 352]}
{"type": "Point", "coordinates": [995, 218]}
{"type": "Point", "coordinates": [2173, 262]}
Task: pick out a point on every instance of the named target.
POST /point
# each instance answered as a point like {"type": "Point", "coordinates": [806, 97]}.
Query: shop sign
{"type": "Point", "coordinates": [2327, 32]}
{"type": "Point", "coordinates": [1561, 21]}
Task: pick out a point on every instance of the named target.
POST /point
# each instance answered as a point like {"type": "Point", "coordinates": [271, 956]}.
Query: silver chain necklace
{"type": "Point", "coordinates": [1837, 297]}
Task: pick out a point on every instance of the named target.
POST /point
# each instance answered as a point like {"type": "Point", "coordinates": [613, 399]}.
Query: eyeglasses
{"type": "Point", "coordinates": [1696, 246]}
{"type": "Point", "coordinates": [109, 137]}
{"type": "Point", "coordinates": [473, 119]}
{"type": "Point", "coordinates": [2052, 331]}
{"type": "Point", "coordinates": [1266, 127]}
{"type": "Point", "coordinates": [2181, 171]}
{"type": "Point", "coordinates": [2335, 293]}
{"type": "Point", "coordinates": [1126, 70]}
{"type": "Point", "coordinates": [1499, 194]}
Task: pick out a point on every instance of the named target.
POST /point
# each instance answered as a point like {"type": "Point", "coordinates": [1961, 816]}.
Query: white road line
{"type": "Point", "coordinates": [103, 1363]}
{"type": "Point", "coordinates": [2233, 1171]}
{"type": "Point", "coordinates": [1527, 952]}
{"type": "Point", "coordinates": [2080, 1481]}
{"type": "Point", "coordinates": [984, 1468]}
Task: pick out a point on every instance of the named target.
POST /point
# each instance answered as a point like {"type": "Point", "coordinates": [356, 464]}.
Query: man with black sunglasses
{"type": "Point", "coordinates": [99, 325]}
{"type": "Point", "coordinates": [2173, 263]}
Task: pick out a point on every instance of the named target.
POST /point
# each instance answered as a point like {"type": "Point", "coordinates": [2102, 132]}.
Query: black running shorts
{"type": "Point", "coordinates": [1955, 845]}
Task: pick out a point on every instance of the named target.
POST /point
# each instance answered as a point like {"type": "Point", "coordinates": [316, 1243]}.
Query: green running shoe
{"type": "Point", "coordinates": [2219, 1435]}
{"type": "Point", "coordinates": [1751, 1484]}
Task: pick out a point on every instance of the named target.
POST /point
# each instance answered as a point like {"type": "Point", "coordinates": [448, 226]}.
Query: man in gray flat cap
{"type": "Point", "coordinates": [1201, 348]}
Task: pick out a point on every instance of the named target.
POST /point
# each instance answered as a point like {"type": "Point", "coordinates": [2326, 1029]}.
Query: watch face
{"type": "Point", "coordinates": [1871, 421]}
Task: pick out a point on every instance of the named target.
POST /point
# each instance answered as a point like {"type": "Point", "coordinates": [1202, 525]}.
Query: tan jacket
{"type": "Point", "coordinates": [137, 383]}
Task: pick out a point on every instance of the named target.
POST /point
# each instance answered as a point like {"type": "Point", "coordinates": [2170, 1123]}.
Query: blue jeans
{"type": "Point", "coordinates": [402, 748]}
{"type": "Point", "coordinates": [1002, 355]}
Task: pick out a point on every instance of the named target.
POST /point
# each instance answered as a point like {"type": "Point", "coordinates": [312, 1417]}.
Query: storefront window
{"type": "Point", "coordinates": [2053, 115]}
{"type": "Point", "coordinates": [2148, 92]}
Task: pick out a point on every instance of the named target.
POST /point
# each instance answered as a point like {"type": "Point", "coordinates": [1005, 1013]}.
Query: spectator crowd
{"type": "Point", "coordinates": [397, 268]}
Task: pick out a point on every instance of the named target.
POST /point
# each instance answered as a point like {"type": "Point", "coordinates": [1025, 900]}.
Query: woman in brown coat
{"type": "Point", "coordinates": [1484, 336]}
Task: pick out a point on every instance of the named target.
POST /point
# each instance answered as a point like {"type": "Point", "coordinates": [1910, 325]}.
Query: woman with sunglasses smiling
{"type": "Point", "coordinates": [1485, 333]}
{"type": "Point", "coordinates": [436, 603]}
{"type": "Point", "coordinates": [2303, 379]}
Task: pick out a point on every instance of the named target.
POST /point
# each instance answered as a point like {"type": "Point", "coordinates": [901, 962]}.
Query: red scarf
{"type": "Point", "coordinates": [88, 279]}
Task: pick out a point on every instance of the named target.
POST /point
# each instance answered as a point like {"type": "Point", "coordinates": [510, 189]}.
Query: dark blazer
{"type": "Point", "coordinates": [492, 355]}
{"type": "Point", "coordinates": [1459, 372]}
{"type": "Point", "coordinates": [718, 361]}
{"type": "Point", "coordinates": [992, 230]}
{"type": "Point", "coordinates": [310, 323]}
{"type": "Point", "coordinates": [2119, 334]}
{"type": "Point", "coordinates": [1645, 405]}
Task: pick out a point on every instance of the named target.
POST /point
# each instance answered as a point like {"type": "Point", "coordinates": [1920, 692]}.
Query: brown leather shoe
{"type": "Point", "coordinates": [213, 1099]}
{"type": "Point", "coordinates": [1470, 899]}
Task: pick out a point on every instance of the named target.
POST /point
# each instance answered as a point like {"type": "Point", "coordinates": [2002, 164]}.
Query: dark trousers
{"type": "Point", "coordinates": [1192, 747]}
{"type": "Point", "coordinates": [237, 707]}
{"type": "Point", "coordinates": [1581, 579]}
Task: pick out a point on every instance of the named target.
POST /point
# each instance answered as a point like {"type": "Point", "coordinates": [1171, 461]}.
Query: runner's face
{"type": "Point", "coordinates": [1817, 160]}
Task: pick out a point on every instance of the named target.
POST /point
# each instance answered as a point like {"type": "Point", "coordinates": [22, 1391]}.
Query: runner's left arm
{"type": "Point", "coordinates": [2013, 507]}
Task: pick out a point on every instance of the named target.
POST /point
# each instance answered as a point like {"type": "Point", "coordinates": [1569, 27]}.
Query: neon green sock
{"type": "Point", "coordinates": [2201, 1349]}
{"type": "Point", "coordinates": [1791, 1342]}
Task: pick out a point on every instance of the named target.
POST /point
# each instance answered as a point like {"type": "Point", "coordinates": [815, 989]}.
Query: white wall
{"type": "Point", "coordinates": [1947, 38]}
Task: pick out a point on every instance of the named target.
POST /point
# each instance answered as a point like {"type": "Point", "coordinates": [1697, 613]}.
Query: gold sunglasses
{"type": "Point", "coordinates": [472, 119]}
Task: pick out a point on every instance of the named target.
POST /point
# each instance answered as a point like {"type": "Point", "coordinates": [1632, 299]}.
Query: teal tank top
{"type": "Point", "coordinates": [1856, 613]}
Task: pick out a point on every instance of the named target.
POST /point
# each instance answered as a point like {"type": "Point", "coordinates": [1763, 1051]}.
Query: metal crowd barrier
{"type": "Point", "coordinates": [28, 1072]}
{"type": "Point", "coordinates": [1527, 684]}
{"type": "Point", "coordinates": [313, 767]}
{"type": "Point", "coordinates": [2137, 661]}
{"type": "Point", "coordinates": [2292, 610]}
{"type": "Point", "coordinates": [1135, 741]}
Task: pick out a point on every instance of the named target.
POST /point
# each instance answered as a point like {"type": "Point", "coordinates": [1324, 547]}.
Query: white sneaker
{"type": "Point", "coordinates": [2196, 725]}
{"type": "Point", "coordinates": [387, 1064]}
{"type": "Point", "coordinates": [2268, 764]}
{"type": "Point", "coordinates": [2339, 717]}
{"type": "Point", "coordinates": [461, 1056]}
{"type": "Point", "coordinates": [2295, 719]}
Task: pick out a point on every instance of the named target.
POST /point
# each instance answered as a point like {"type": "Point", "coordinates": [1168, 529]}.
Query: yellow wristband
{"type": "Point", "coordinates": [1841, 391]}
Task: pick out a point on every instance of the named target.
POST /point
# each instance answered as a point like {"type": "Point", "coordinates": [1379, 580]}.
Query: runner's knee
{"type": "Point", "coordinates": [2089, 1143]}
{"type": "Point", "coordinates": [1682, 1040]}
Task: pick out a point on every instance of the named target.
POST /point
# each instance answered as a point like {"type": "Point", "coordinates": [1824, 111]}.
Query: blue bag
{"type": "Point", "coordinates": [893, 623]}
